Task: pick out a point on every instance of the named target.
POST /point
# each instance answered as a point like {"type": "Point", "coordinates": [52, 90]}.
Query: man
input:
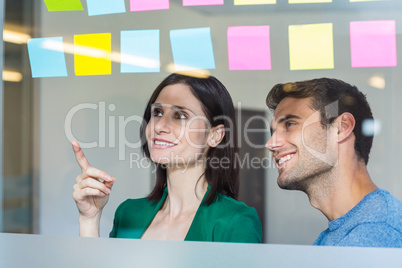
{"type": "Point", "coordinates": [319, 148]}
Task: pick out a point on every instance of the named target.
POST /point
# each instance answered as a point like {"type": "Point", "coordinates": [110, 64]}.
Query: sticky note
{"type": "Point", "coordinates": [311, 46]}
{"type": "Point", "coordinates": [102, 7]}
{"type": "Point", "coordinates": [46, 56]}
{"type": "Point", "coordinates": [63, 5]}
{"type": "Point", "coordinates": [140, 51]}
{"type": "Point", "coordinates": [366, 0]}
{"type": "Point", "coordinates": [143, 5]}
{"type": "Point", "coordinates": [373, 43]}
{"type": "Point", "coordinates": [202, 2]}
{"type": "Point", "coordinates": [253, 2]}
{"type": "Point", "coordinates": [249, 48]}
{"type": "Point", "coordinates": [192, 49]}
{"type": "Point", "coordinates": [92, 54]}
{"type": "Point", "coordinates": [308, 1]}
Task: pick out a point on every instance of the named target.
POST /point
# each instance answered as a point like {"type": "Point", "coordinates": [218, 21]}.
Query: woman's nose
{"type": "Point", "coordinates": [162, 125]}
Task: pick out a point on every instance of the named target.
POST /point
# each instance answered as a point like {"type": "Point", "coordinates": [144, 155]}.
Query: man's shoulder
{"type": "Point", "coordinates": [378, 223]}
{"type": "Point", "coordinates": [381, 207]}
{"type": "Point", "coordinates": [388, 209]}
{"type": "Point", "coordinates": [375, 221]}
{"type": "Point", "coordinates": [378, 234]}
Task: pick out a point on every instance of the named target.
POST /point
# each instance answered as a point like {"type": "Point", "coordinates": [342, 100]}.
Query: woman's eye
{"type": "Point", "coordinates": [157, 113]}
{"type": "Point", "coordinates": [180, 116]}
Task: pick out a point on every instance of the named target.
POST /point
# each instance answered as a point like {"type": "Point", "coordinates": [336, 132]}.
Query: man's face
{"type": "Point", "coordinates": [301, 147]}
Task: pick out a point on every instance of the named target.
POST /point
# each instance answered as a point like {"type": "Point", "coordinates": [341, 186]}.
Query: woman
{"type": "Point", "coordinates": [190, 135]}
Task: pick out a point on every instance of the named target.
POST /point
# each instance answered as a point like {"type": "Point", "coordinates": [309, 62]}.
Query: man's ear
{"type": "Point", "coordinates": [216, 135]}
{"type": "Point", "coordinates": [346, 124]}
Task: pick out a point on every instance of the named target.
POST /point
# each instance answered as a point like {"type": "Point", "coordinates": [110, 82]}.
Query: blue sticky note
{"type": "Point", "coordinates": [192, 49]}
{"type": "Point", "coordinates": [140, 51]}
{"type": "Point", "coordinates": [46, 56]}
{"type": "Point", "coordinates": [102, 7]}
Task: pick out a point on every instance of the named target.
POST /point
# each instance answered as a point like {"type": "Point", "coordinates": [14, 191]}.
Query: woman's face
{"type": "Point", "coordinates": [178, 129]}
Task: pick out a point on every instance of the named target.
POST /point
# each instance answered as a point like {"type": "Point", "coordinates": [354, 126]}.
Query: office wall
{"type": "Point", "coordinates": [289, 217]}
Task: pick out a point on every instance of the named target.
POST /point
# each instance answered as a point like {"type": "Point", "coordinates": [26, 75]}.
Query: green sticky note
{"type": "Point", "coordinates": [311, 46]}
{"type": "Point", "coordinates": [63, 5]}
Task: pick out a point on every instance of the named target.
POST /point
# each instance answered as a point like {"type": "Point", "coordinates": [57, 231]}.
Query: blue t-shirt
{"type": "Point", "coordinates": [376, 221]}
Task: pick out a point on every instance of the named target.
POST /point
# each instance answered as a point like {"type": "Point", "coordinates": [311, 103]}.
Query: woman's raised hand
{"type": "Point", "coordinates": [91, 193]}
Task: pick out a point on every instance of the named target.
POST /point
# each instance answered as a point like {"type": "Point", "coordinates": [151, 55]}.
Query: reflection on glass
{"type": "Point", "coordinates": [17, 129]}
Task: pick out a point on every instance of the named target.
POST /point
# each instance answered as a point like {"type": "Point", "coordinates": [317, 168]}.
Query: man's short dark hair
{"type": "Point", "coordinates": [325, 91]}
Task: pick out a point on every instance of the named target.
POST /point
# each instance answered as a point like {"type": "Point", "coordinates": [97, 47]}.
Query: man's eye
{"type": "Point", "coordinates": [289, 124]}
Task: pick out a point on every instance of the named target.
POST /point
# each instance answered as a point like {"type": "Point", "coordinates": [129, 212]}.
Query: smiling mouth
{"type": "Point", "coordinates": [163, 144]}
{"type": "Point", "coordinates": [284, 159]}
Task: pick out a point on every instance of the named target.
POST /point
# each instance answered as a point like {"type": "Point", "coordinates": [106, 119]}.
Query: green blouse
{"type": "Point", "coordinates": [225, 220]}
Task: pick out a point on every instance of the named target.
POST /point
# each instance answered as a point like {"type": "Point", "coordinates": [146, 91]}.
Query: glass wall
{"type": "Point", "coordinates": [90, 66]}
{"type": "Point", "coordinates": [17, 124]}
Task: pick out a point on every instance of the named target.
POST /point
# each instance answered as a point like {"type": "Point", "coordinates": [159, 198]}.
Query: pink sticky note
{"type": "Point", "coordinates": [249, 48]}
{"type": "Point", "coordinates": [202, 2]}
{"type": "Point", "coordinates": [373, 43]}
{"type": "Point", "coordinates": [143, 5]}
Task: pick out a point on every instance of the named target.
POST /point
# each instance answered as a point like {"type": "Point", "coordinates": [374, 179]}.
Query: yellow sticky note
{"type": "Point", "coordinates": [308, 1]}
{"type": "Point", "coordinates": [253, 2]}
{"type": "Point", "coordinates": [311, 46]}
{"type": "Point", "coordinates": [92, 54]}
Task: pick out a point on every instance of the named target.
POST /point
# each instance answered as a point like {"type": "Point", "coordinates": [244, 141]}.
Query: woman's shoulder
{"type": "Point", "coordinates": [136, 201]}
{"type": "Point", "coordinates": [229, 220]}
{"type": "Point", "coordinates": [226, 205]}
{"type": "Point", "coordinates": [132, 218]}
{"type": "Point", "coordinates": [137, 204]}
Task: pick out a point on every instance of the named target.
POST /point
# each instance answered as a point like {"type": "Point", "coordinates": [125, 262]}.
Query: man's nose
{"type": "Point", "coordinates": [274, 142]}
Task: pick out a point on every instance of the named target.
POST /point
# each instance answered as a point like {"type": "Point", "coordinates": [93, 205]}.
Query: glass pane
{"type": "Point", "coordinates": [89, 68]}
{"type": "Point", "coordinates": [17, 128]}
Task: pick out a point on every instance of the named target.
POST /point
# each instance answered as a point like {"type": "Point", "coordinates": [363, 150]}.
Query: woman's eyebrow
{"type": "Point", "coordinates": [178, 107]}
{"type": "Point", "coordinates": [175, 107]}
{"type": "Point", "coordinates": [156, 105]}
